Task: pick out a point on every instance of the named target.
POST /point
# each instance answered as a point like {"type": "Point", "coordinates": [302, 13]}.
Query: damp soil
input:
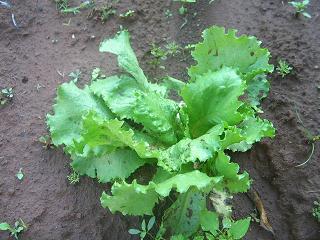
{"type": "Point", "coordinates": [47, 46]}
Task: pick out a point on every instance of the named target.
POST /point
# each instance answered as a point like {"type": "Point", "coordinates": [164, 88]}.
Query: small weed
{"type": "Point", "coordinates": [102, 13]}
{"type": "Point", "coordinates": [6, 94]}
{"type": "Point", "coordinates": [62, 4]}
{"type": "Point", "coordinates": [283, 68]}
{"type": "Point", "coordinates": [183, 10]}
{"type": "Point", "coordinates": [168, 13]}
{"type": "Point", "coordinates": [129, 13]}
{"type": "Point", "coordinates": [316, 211]}
{"type": "Point", "coordinates": [145, 228]}
{"type": "Point", "coordinates": [20, 175]}
{"type": "Point", "coordinates": [46, 141]}
{"type": "Point", "coordinates": [75, 10]}
{"type": "Point", "coordinates": [75, 75]}
{"type": "Point", "coordinates": [19, 227]}
{"type": "Point", "coordinates": [74, 177]}
{"type": "Point", "coordinates": [301, 7]}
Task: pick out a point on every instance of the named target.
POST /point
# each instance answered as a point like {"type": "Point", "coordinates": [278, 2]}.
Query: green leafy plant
{"type": "Point", "coordinates": [301, 7]}
{"type": "Point", "coordinates": [283, 68]}
{"type": "Point", "coordinates": [123, 123]}
{"type": "Point", "coordinates": [18, 228]}
{"type": "Point", "coordinates": [6, 95]}
{"type": "Point", "coordinates": [62, 4]}
{"type": "Point", "coordinates": [103, 13]}
{"type": "Point", "coordinates": [162, 53]}
{"type": "Point", "coordinates": [77, 9]}
{"type": "Point", "coordinates": [145, 228]}
{"type": "Point", "coordinates": [316, 211]}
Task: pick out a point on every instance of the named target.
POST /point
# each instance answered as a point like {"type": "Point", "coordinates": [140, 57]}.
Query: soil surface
{"type": "Point", "coordinates": [47, 46]}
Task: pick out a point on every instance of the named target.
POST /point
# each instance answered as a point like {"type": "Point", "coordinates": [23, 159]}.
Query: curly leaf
{"type": "Point", "coordinates": [124, 97]}
{"type": "Point", "coordinates": [213, 99]}
{"type": "Point", "coordinates": [133, 199]}
{"type": "Point", "coordinates": [220, 49]}
{"type": "Point", "coordinates": [253, 129]}
{"type": "Point", "coordinates": [106, 167]}
{"type": "Point", "coordinates": [71, 104]}
{"type": "Point", "coordinates": [120, 45]}
{"type": "Point", "coordinates": [191, 150]}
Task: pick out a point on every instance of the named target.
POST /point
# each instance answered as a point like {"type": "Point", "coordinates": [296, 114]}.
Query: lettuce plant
{"type": "Point", "coordinates": [125, 130]}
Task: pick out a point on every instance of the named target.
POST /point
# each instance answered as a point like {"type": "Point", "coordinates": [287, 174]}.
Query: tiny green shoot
{"type": "Point", "coordinates": [75, 75]}
{"type": "Point", "coordinates": [129, 13]}
{"type": "Point", "coordinates": [316, 211]}
{"type": "Point", "coordinates": [145, 228]}
{"type": "Point", "coordinates": [283, 68]}
{"type": "Point", "coordinates": [75, 10]}
{"type": "Point", "coordinates": [20, 174]}
{"type": "Point", "coordinates": [168, 13]}
{"type": "Point", "coordinates": [46, 141]}
{"type": "Point", "coordinates": [6, 94]}
{"type": "Point", "coordinates": [301, 7]}
{"type": "Point", "coordinates": [18, 228]}
{"type": "Point", "coordinates": [74, 177]}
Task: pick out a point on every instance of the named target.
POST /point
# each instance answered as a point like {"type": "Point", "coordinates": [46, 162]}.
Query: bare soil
{"type": "Point", "coordinates": [32, 56]}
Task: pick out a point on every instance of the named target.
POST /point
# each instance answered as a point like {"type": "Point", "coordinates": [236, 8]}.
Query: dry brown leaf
{"type": "Point", "coordinates": [264, 222]}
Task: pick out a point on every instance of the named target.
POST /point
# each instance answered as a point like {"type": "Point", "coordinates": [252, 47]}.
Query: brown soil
{"type": "Point", "coordinates": [54, 209]}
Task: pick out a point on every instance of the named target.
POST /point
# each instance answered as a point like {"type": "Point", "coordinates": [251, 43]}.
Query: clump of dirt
{"type": "Point", "coordinates": [47, 46]}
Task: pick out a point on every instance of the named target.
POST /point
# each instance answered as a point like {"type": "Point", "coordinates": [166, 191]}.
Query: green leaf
{"type": "Point", "coordinates": [143, 225]}
{"type": "Point", "coordinates": [226, 168]}
{"type": "Point", "coordinates": [133, 231]}
{"type": "Point", "coordinates": [107, 166]}
{"type": "Point", "coordinates": [183, 217]}
{"type": "Point", "coordinates": [178, 237]}
{"type": "Point", "coordinates": [220, 49]}
{"type": "Point", "coordinates": [183, 182]}
{"type": "Point", "coordinates": [6, 227]}
{"type": "Point", "coordinates": [258, 89]}
{"type": "Point", "coordinates": [112, 134]}
{"type": "Point", "coordinates": [191, 150]}
{"type": "Point", "coordinates": [120, 45]}
{"type": "Point", "coordinates": [132, 199]}
{"type": "Point", "coordinates": [239, 228]}
{"type": "Point", "coordinates": [124, 97]}
{"type": "Point", "coordinates": [151, 222]}
{"type": "Point", "coordinates": [213, 99]}
{"type": "Point", "coordinates": [173, 84]}
{"type": "Point", "coordinates": [253, 129]}
{"type": "Point", "coordinates": [20, 174]}
{"type": "Point", "coordinates": [209, 221]}
{"type": "Point", "coordinates": [240, 184]}
{"type": "Point", "coordinates": [71, 104]}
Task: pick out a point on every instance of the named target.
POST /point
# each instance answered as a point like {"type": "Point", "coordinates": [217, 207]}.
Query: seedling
{"type": "Point", "coordinates": [75, 10]}
{"type": "Point", "coordinates": [301, 7]}
{"type": "Point", "coordinates": [62, 4]}
{"type": "Point", "coordinates": [129, 13]}
{"type": "Point", "coordinates": [74, 177]}
{"type": "Point", "coordinates": [6, 94]}
{"type": "Point", "coordinates": [145, 229]}
{"type": "Point", "coordinates": [19, 227]}
{"type": "Point", "coordinates": [316, 211]}
{"type": "Point", "coordinates": [283, 68]}
{"type": "Point", "coordinates": [75, 76]}
{"type": "Point", "coordinates": [103, 13]}
{"type": "Point", "coordinates": [20, 174]}
{"type": "Point", "coordinates": [46, 141]}
{"type": "Point", "coordinates": [161, 54]}
{"type": "Point", "coordinates": [168, 13]}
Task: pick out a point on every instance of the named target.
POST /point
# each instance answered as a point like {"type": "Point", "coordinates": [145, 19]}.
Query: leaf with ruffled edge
{"type": "Point", "coordinates": [220, 48]}
{"type": "Point", "coordinates": [71, 104]}
{"type": "Point", "coordinates": [213, 99]}
{"type": "Point", "coordinates": [146, 193]}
